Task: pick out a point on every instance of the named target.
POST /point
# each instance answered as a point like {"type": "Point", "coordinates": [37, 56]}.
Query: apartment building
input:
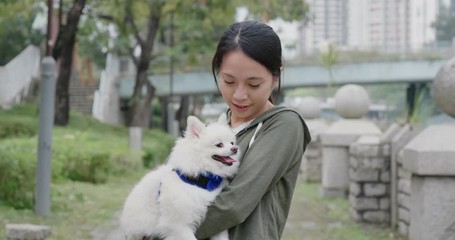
{"type": "Point", "coordinates": [327, 24]}
{"type": "Point", "coordinates": [384, 25]}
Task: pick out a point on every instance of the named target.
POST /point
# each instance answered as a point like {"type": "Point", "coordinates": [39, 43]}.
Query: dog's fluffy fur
{"type": "Point", "coordinates": [162, 204]}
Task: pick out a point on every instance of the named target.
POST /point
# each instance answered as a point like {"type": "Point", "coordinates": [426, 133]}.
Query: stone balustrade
{"type": "Point", "coordinates": [351, 103]}
{"type": "Point", "coordinates": [310, 109]}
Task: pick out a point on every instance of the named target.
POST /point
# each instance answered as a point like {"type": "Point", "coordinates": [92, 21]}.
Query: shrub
{"type": "Point", "coordinates": [86, 150]}
{"type": "Point", "coordinates": [156, 147]}
{"type": "Point", "coordinates": [122, 162]}
{"type": "Point", "coordinates": [29, 110]}
{"type": "Point", "coordinates": [14, 127]}
{"type": "Point", "coordinates": [17, 173]}
{"type": "Point", "coordinates": [21, 121]}
{"type": "Point", "coordinates": [83, 157]}
{"type": "Point", "coordinates": [88, 166]}
{"type": "Point", "coordinates": [91, 156]}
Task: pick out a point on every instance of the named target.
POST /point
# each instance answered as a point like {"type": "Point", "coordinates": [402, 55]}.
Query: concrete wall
{"type": "Point", "coordinates": [17, 75]}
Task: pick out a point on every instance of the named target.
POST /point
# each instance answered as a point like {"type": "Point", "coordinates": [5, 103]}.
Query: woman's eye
{"type": "Point", "coordinates": [228, 82]}
{"type": "Point", "coordinates": [220, 145]}
{"type": "Point", "coordinates": [255, 86]}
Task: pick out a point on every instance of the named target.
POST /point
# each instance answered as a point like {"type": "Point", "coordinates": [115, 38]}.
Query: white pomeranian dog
{"type": "Point", "coordinates": [171, 201]}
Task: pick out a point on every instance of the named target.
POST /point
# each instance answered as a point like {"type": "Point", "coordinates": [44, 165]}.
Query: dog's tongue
{"type": "Point", "coordinates": [229, 160]}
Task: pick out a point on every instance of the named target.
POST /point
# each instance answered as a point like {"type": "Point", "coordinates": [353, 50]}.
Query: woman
{"type": "Point", "coordinates": [247, 67]}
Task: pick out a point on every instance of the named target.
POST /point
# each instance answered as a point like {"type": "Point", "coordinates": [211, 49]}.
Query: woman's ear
{"type": "Point", "coordinates": [276, 78]}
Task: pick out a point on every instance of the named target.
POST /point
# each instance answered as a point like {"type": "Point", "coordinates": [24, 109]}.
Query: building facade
{"type": "Point", "coordinates": [381, 25]}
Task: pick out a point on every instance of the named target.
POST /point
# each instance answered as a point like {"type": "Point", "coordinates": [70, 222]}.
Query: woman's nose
{"type": "Point", "coordinates": [240, 93]}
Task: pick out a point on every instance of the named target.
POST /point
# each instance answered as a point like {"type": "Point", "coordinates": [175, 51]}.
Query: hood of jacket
{"type": "Point", "coordinates": [269, 114]}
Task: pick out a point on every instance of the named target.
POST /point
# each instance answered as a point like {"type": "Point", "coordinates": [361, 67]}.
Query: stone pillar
{"type": "Point", "coordinates": [135, 139]}
{"type": "Point", "coordinates": [430, 159]}
{"type": "Point", "coordinates": [310, 110]}
{"type": "Point", "coordinates": [369, 174]}
{"type": "Point", "coordinates": [351, 103]}
{"type": "Point", "coordinates": [106, 104]}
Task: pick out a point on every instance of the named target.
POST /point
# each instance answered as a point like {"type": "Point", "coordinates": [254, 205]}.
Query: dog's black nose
{"type": "Point", "coordinates": [234, 149]}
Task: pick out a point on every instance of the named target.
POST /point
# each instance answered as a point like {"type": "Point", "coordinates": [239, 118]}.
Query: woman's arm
{"type": "Point", "coordinates": [261, 168]}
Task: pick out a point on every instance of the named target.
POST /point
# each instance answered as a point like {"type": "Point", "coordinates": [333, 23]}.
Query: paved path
{"type": "Point", "coordinates": [296, 224]}
{"type": "Point", "coordinates": [108, 232]}
{"type": "Point", "coordinates": [304, 219]}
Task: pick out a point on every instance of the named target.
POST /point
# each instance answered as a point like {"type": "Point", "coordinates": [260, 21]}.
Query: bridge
{"type": "Point", "coordinates": [195, 83]}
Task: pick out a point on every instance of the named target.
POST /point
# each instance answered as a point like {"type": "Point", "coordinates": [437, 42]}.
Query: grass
{"type": "Point", "coordinates": [77, 208]}
{"type": "Point", "coordinates": [315, 218]}
{"type": "Point", "coordinates": [81, 208]}
{"type": "Point", "coordinates": [86, 211]}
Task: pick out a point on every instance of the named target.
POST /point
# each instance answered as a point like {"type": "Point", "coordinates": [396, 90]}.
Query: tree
{"type": "Point", "coordinates": [16, 31]}
{"type": "Point", "coordinates": [328, 58]}
{"type": "Point", "coordinates": [141, 104]}
{"type": "Point", "coordinates": [93, 38]}
{"type": "Point", "coordinates": [197, 24]}
{"type": "Point", "coordinates": [444, 25]}
{"type": "Point", "coordinates": [192, 33]}
{"type": "Point", "coordinates": [64, 52]}
{"type": "Point", "coordinates": [145, 25]}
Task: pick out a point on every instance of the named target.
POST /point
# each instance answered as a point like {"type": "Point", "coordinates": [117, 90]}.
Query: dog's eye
{"type": "Point", "coordinates": [220, 145]}
{"type": "Point", "coordinates": [232, 143]}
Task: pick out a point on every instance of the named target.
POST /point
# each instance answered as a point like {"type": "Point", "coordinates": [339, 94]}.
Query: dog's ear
{"type": "Point", "coordinates": [222, 119]}
{"type": "Point", "coordinates": [194, 127]}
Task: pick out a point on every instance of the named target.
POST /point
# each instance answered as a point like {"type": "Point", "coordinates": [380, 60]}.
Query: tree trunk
{"type": "Point", "coordinates": [163, 105]}
{"type": "Point", "coordinates": [68, 37]}
{"type": "Point", "coordinates": [183, 111]}
{"type": "Point", "coordinates": [141, 105]}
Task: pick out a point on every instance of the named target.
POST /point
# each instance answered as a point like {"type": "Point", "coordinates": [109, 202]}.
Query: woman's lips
{"type": "Point", "coordinates": [239, 107]}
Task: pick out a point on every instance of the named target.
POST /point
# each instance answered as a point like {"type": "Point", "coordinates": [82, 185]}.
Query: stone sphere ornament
{"type": "Point", "coordinates": [309, 108]}
{"type": "Point", "coordinates": [443, 88]}
{"type": "Point", "coordinates": [352, 101]}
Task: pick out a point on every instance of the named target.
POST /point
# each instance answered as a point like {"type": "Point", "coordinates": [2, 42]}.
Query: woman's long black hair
{"type": "Point", "coordinates": [256, 40]}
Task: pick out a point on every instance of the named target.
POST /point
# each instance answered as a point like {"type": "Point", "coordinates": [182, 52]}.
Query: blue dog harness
{"type": "Point", "coordinates": [207, 181]}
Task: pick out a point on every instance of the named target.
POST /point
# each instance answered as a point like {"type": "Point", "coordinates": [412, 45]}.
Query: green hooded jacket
{"type": "Point", "coordinates": [255, 205]}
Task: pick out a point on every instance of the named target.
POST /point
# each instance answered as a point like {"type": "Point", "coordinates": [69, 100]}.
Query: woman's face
{"type": "Point", "coordinates": [245, 86]}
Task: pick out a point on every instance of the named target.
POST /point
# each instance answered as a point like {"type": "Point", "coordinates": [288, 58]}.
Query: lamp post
{"type": "Point", "coordinates": [46, 121]}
